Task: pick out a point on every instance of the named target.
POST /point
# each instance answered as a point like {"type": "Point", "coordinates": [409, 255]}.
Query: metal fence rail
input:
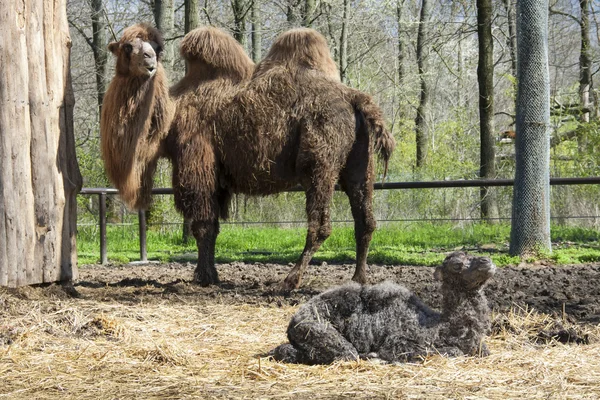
{"type": "Point", "coordinates": [103, 192]}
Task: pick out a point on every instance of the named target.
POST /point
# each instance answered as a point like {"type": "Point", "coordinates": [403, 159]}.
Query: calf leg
{"type": "Point", "coordinates": [318, 199]}
{"type": "Point", "coordinates": [319, 343]}
{"type": "Point", "coordinates": [206, 233]}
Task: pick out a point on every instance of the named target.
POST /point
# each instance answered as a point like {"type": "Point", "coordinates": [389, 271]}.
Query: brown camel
{"type": "Point", "coordinates": [136, 114]}
{"type": "Point", "coordinates": [292, 123]}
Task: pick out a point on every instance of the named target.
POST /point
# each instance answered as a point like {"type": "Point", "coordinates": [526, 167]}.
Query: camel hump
{"type": "Point", "coordinates": [300, 48]}
{"type": "Point", "coordinates": [211, 52]}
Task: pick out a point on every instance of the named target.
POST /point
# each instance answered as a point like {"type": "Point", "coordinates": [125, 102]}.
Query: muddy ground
{"type": "Point", "coordinates": [573, 289]}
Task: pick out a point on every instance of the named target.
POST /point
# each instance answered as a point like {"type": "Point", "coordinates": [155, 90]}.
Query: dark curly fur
{"type": "Point", "coordinates": [388, 322]}
{"type": "Point", "coordinates": [293, 123]}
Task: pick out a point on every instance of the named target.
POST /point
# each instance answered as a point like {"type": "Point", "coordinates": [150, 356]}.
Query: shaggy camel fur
{"type": "Point", "coordinates": [388, 322]}
{"type": "Point", "coordinates": [300, 48]}
{"type": "Point", "coordinates": [136, 114]}
{"type": "Point", "coordinates": [293, 123]}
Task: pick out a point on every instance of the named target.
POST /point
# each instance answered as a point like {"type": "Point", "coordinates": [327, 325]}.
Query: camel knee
{"type": "Point", "coordinates": [370, 225]}
{"type": "Point", "coordinates": [324, 231]}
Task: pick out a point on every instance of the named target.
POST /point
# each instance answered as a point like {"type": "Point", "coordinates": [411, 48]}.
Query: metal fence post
{"type": "Point", "coordinates": [102, 212]}
{"type": "Point", "coordinates": [142, 226]}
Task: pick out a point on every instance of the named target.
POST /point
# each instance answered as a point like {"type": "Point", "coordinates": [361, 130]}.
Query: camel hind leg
{"type": "Point", "coordinates": [206, 233]}
{"type": "Point", "coordinates": [318, 199]}
{"type": "Point", "coordinates": [357, 181]}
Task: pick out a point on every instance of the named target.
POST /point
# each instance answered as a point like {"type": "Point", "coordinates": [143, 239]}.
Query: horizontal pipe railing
{"type": "Point", "coordinates": [402, 185]}
{"type": "Point", "coordinates": [102, 192]}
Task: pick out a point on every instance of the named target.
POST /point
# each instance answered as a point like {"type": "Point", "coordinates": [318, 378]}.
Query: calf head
{"type": "Point", "coordinates": [465, 273]}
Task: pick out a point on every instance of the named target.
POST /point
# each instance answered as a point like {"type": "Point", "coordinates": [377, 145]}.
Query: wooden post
{"type": "Point", "coordinates": [142, 228]}
{"type": "Point", "coordinates": [102, 209]}
{"type": "Point", "coordinates": [39, 175]}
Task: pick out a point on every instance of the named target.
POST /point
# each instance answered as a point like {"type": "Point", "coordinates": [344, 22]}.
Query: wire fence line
{"type": "Point", "coordinates": [142, 223]}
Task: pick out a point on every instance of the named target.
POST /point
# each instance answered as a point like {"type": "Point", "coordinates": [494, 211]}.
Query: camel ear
{"type": "Point", "coordinates": [437, 274]}
{"type": "Point", "coordinates": [113, 47]}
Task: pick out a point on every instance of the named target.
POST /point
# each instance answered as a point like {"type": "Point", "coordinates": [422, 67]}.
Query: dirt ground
{"type": "Point", "coordinates": [147, 332]}
{"type": "Point", "coordinates": [573, 290]}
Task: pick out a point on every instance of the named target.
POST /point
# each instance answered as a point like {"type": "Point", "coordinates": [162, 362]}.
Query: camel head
{"type": "Point", "coordinates": [464, 273]}
{"type": "Point", "coordinates": [300, 48]}
{"type": "Point", "coordinates": [138, 51]}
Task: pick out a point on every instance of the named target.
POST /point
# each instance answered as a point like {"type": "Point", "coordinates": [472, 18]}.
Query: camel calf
{"type": "Point", "coordinates": [388, 322]}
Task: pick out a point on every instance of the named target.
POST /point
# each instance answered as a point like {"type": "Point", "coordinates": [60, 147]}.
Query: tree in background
{"type": "Point", "coordinates": [421, 126]}
{"type": "Point", "coordinates": [485, 78]}
{"type": "Point", "coordinates": [240, 10]}
{"type": "Point", "coordinates": [98, 43]}
{"type": "Point", "coordinates": [165, 22]}
{"type": "Point", "coordinates": [256, 31]}
{"type": "Point", "coordinates": [530, 232]}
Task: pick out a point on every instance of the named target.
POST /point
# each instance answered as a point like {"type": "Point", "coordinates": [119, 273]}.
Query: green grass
{"type": "Point", "coordinates": [394, 244]}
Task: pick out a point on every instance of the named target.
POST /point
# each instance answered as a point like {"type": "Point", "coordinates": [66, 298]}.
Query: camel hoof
{"type": "Point", "coordinates": [290, 283]}
{"type": "Point", "coordinates": [360, 278]}
{"type": "Point", "coordinates": [205, 280]}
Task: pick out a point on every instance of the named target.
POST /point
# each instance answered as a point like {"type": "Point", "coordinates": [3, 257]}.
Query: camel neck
{"type": "Point", "coordinates": [455, 302]}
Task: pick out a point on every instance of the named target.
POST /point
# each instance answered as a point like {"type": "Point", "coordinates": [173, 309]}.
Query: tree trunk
{"type": "Point", "coordinates": [401, 44]}
{"type": "Point", "coordinates": [39, 175]}
{"type": "Point", "coordinates": [309, 11]}
{"type": "Point", "coordinates": [512, 35]}
{"type": "Point", "coordinates": [99, 49]}
{"type": "Point", "coordinates": [192, 15]}
{"type": "Point", "coordinates": [485, 78]}
{"type": "Point", "coordinates": [239, 20]}
{"type": "Point", "coordinates": [530, 231]}
{"type": "Point", "coordinates": [585, 61]}
{"type": "Point", "coordinates": [165, 22]}
{"type": "Point", "coordinates": [256, 31]}
{"type": "Point", "coordinates": [344, 44]}
{"type": "Point", "coordinates": [290, 12]}
{"type": "Point", "coordinates": [421, 128]}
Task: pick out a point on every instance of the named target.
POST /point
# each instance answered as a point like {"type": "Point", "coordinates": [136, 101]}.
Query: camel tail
{"type": "Point", "coordinates": [384, 142]}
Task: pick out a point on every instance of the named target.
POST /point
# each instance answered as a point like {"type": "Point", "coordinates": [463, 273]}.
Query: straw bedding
{"type": "Point", "coordinates": [146, 332]}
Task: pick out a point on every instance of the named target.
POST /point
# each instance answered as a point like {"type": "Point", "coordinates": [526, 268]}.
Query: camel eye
{"type": "Point", "coordinates": [128, 48]}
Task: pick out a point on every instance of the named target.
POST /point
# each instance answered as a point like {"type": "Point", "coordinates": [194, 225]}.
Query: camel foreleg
{"type": "Point", "coordinates": [319, 229]}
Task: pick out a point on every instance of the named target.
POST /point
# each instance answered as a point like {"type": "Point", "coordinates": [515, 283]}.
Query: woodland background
{"type": "Point", "coordinates": [419, 59]}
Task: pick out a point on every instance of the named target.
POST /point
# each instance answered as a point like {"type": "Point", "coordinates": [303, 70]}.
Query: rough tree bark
{"type": "Point", "coordinates": [308, 13]}
{"type": "Point", "coordinates": [344, 44]}
{"type": "Point", "coordinates": [256, 31]}
{"type": "Point", "coordinates": [240, 10]}
{"type": "Point", "coordinates": [509, 5]}
{"type": "Point", "coordinates": [192, 14]}
{"type": "Point", "coordinates": [485, 78]}
{"type": "Point", "coordinates": [585, 61]}
{"type": "Point", "coordinates": [39, 175]}
{"type": "Point", "coordinates": [401, 42]}
{"type": "Point", "coordinates": [164, 16]}
{"type": "Point", "coordinates": [422, 133]}
{"type": "Point", "coordinates": [99, 48]}
{"type": "Point", "coordinates": [290, 12]}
